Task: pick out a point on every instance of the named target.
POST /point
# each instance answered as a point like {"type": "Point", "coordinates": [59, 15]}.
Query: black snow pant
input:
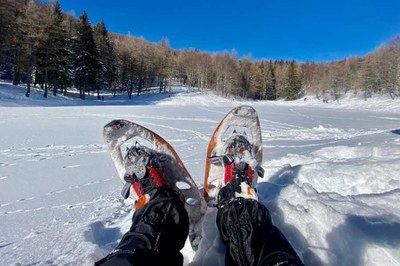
{"type": "Point", "coordinates": [160, 228]}
{"type": "Point", "coordinates": [158, 232]}
{"type": "Point", "coordinates": [250, 237]}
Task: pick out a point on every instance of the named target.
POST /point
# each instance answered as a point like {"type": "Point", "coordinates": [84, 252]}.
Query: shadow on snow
{"type": "Point", "coordinates": [357, 232]}
{"type": "Point", "coordinates": [346, 241]}
{"type": "Point", "coordinates": [13, 96]}
{"type": "Point", "coordinates": [269, 193]}
{"type": "Point", "coordinates": [396, 131]}
{"type": "Point", "coordinates": [103, 237]}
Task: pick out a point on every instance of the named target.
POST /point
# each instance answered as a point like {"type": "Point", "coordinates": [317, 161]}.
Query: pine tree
{"type": "Point", "coordinates": [7, 24]}
{"type": "Point", "coordinates": [53, 68]}
{"type": "Point", "coordinates": [60, 74]}
{"type": "Point", "coordinates": [27, 35]}
{"type": "Point", "coordinates": [293, 84]}
{"type": "Point", "coordinates": [106, 56]}
{"type": "Point", "coordinates": [87, 66]}
{"type": "Point", "coordinates": [270, 82]}
{"type": "Point", "coordinates": [245, 64]}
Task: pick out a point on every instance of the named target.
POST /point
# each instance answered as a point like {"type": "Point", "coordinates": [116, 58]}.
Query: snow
{"type": "Point", "coordinates": [331, 181]}
{"type": "Point", "coordinates": [350, 102]}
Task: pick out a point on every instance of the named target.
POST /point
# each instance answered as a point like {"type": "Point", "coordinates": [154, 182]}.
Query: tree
{"type": "Point", "coordinates": [144, 64]}
{"type": "Point", "coordinates": [293, 83]}
{"type": "Point", "coordinates": [227, 78]}
{"type": "Point", "coordinates": [106, 55]}
{"type": "Point", "coordinates": [281, 69]}
{"type": "Point", "coordinates": [38, 40]}
{"type": "Point", "coordinates": [127, 68]}
{"type": "Point", "coordinates": [164, 64]}
{"type": "Point", "coordinates": [27, 35]}
{"type": "Point", "coordinates": [245, 65]}
{"type": "Point", "coordinates": [390, 68]}
{"type": "Point", "coordinates": [269, 82]}
{"type": "Point", "coordinates": [351, 71]}
{"type": "Point", "coordinates": [7, 25]}
{"type": "Point", "coordinates": [256, 80]}
{"type": "Point", "coordinates": [369, 78]}
{"type": "Point", "coordinates": [53, 67]}
{"type": "Point", "coordinates": [87, 64]}
{"type": "Point", "coordinates": [197, 67]}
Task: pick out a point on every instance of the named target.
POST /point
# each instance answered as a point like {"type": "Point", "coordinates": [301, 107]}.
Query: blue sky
{"type": "Point", "coordinates": [304, 30]}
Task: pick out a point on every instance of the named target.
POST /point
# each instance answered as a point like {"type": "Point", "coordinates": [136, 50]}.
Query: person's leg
{"type": "Point", "coordinates": [244, 224]}
{"type": "Point", "coordinates": [250, 237]}
{"type": "Point", "coordinates": [158, 232]}
{"type": "Point", "coordinates": [160, 224]}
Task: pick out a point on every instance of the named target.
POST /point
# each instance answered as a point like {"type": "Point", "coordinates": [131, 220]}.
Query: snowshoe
{"type": "Point", "coordinates": [145, 160]}
{"type": "Point", "coordinates": [234, 155]}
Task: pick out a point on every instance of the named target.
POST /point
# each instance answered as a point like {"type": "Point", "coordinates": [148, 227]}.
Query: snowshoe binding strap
{"type": "Point", "coordinates": [140, 163]}
{"type": "Point", "coordinates": [221, 159]}
{"type": "Point", "coordinates": [228, 159]}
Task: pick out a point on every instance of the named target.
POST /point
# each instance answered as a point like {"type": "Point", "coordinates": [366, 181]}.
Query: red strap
{"type": "Point", "coordinates": [158, 176]}
{"type": "Point", "coordinates": [229, 172]}
{"type": "Point", "coordinates": [250, 174]}
{"type": "Point", "coordinates": [136, 187]}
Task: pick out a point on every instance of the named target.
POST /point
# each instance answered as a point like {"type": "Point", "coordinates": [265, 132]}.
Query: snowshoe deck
{"type": "Point", "coordinates": [118, 132]}
{"type": "Point", "coordinates": [240, 120]}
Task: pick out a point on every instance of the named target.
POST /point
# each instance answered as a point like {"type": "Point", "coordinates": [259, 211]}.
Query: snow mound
{"type": "Point", "coordinates": [375, 103]}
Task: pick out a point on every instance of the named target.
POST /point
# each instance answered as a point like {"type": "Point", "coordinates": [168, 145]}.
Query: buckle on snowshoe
{"type": "Point", "coordinates": [260, 171]}
{"type": "Point", "coordinates": [126, 190]}
{"type": "Point", "coordinates": [130, 178]}
{"type": "Point", "coordinates": [221, 159]}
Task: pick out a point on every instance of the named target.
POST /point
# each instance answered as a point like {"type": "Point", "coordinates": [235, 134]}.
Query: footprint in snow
{"type": "Point", "coordinates": [71, 166]}
{"type": "Point", "coordinates": [101, 235]}
{"type": "Point", "coordinates": [7, 164]}
{"type": "Point", "coordinates": [25, 199]}
{"type": "Point", "coordinates": [33, 234]}
{"type": "Point", "coordinates": [5, 245]}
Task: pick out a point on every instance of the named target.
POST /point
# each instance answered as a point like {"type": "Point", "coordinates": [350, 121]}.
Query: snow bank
{"type": "Point", "coordinates": [14, 96]}
{"type": "Point", "coordinates": [375, 103]}
{"type": "Point", "coordinates": [182, 96]}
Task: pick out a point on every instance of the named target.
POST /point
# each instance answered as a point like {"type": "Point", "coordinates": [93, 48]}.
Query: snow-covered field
{"type": "Point", "coordinates": [332, 175]}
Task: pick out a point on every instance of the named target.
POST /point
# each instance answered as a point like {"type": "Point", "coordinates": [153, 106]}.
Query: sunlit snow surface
{"type": "Point", "coordinates": [332, 175]}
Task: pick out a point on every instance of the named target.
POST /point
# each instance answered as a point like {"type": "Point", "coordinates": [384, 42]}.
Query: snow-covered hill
{"type": "Point", "coordinates": [332, 175]}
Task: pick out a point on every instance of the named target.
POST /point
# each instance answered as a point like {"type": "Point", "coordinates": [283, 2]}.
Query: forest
{"type": "Point", "coordinates": [42, 46]}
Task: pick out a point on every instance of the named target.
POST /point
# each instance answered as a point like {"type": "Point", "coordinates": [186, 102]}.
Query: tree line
{"type": "Point", "coordinates": [42, 46]}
